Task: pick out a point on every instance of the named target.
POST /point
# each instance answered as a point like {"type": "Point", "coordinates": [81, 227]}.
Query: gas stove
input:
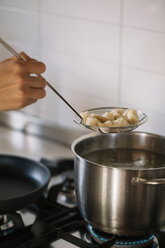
{"type": "Point", "coordinates": [54, 220]}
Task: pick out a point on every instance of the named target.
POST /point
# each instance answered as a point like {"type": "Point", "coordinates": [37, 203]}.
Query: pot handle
{"type": "Point", "coordinates": [144, 181]}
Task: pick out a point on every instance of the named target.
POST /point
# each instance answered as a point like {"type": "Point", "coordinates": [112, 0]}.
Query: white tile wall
{"type": "Point", "coordinates": [89, 39]}
{"type": "Point", "coordinates": [144, 49]}
{"type": "Point", "coordinates": [155, 124]}
{"type": "Point", "coordinates": [87, 76]}
{"type": "Point", "coordinates": [143, 89]}
{"type": "Point", "coordinates": [96, 10]}
{"type": "Point", "coordinates": [21, 4]}
{"type": "Point", "coordinates": [145, 14]}
{"type": "Point", "coordinates": [97, 52]}
{"type": "Point", "coordinates": [20, 26]}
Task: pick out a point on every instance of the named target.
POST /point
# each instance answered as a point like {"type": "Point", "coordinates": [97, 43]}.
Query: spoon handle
{"type": "Point", "coordinates": [48, 84]}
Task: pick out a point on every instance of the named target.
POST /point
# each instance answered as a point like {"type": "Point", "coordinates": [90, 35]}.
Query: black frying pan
{"type": "Point", "coordinates": [22, 181]}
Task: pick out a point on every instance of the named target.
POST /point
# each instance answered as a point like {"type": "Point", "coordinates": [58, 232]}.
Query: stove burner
{"type": "Point", "coordinates": [67, 194]}
{"type": "Point", "coordinates": [6, 225]}
{"type": "Point", "coordinates": [62, 192]}
{"type": "Point", "coordinates": [121, 241]}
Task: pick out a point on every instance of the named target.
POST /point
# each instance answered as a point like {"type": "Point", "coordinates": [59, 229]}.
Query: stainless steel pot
{"type": "Point", "coordinates": [121, 192]}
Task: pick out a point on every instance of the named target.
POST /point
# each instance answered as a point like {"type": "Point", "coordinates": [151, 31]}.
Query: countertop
{"type": "Point", "coordinates": [15, 142]}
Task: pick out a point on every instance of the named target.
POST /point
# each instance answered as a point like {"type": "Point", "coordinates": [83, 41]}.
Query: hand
{"type": "Point", "coordinates": [18, 88]}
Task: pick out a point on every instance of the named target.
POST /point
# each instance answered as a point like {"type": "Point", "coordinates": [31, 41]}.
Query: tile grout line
{"type": "Point", "coordinates": [86, 57]}
{"type": "Point", "coordinates": [41, 12]}
{"type": "Point", "coordinates": [120, 53]}
{"type": "Point", "coordinates": [144, 29]}
{"type": "Point", "coordinates": [132, 67]}
{"type": "Point", "coordinates": [38, 106]}
{"type": "Point", "coordinates": [64, 52]}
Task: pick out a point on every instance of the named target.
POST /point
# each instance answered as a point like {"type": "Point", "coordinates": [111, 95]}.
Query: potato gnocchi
{"type": "Point", "coordinates": [115, 118]}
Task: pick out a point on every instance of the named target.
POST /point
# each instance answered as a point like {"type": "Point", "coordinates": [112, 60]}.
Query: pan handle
{"type": "Point", "coordinates": [144, 181]}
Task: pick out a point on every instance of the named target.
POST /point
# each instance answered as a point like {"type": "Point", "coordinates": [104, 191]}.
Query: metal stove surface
{"type": "Point", "coordinates": [55, 222]}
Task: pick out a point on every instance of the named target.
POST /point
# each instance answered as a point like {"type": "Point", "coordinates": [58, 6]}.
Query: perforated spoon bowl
{"type": "Point", "coordinates": [114, 129]}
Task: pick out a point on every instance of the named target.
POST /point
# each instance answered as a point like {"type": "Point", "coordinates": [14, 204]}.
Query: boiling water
{"type": "Point", "coordinates": [127, 158]}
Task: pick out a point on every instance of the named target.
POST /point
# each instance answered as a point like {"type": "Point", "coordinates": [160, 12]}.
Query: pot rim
{"type": "Point", "coordinates": [79, 139]}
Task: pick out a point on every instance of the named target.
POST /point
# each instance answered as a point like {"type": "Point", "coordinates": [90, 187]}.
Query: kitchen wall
{"type": "Point", "coordinates": [97, 52]}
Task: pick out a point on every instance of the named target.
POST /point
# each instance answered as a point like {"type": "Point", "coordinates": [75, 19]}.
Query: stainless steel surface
{"type": "Point", "coordinates": [27, 145]}
{"type": "Point", "coordinates": [32, 125]}
{"type": "Point", "coordinates": [106, 197]}
{"type": "Point", "coordinates": [19, 56]}
{"type": "Point", "coordinates": [159, 181]}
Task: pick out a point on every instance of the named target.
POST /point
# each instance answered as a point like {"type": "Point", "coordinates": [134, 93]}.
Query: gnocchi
{"type": "Point", "coordinates": [92, 121]}
{"type": "Point", "coordinates": [114, 118]}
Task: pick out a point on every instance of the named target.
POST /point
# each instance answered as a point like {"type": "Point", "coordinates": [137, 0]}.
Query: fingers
{"type": "Point", "coordinates": [31, 88]}
{"type": "Point", "coordinates": [36, 82]}
{"type": "Point", "coordinates": [18, 88]}
{"type": "Point", "coordinates": [30, 65]}
{"type": "Point", "coordinates": [35, 94]}
{"type": "Point", "coordinates": [33, 66]}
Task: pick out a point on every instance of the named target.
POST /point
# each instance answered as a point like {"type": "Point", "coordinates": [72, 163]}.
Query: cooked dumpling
{"type": "Point", "coordinates": [120, 122]}
{"type": "Point", "coordinates": [109, 116]}
{"type": "Point", "coordinates": [115, 118]}
{"type": "Point", "coordinates": [132, 116]}
{"type": "Point", "coordinates": [91, 121]}
{"type": "Point", "coordinates": [99, 117]}
{"type": "Point", "coordinates": [105, 124]}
